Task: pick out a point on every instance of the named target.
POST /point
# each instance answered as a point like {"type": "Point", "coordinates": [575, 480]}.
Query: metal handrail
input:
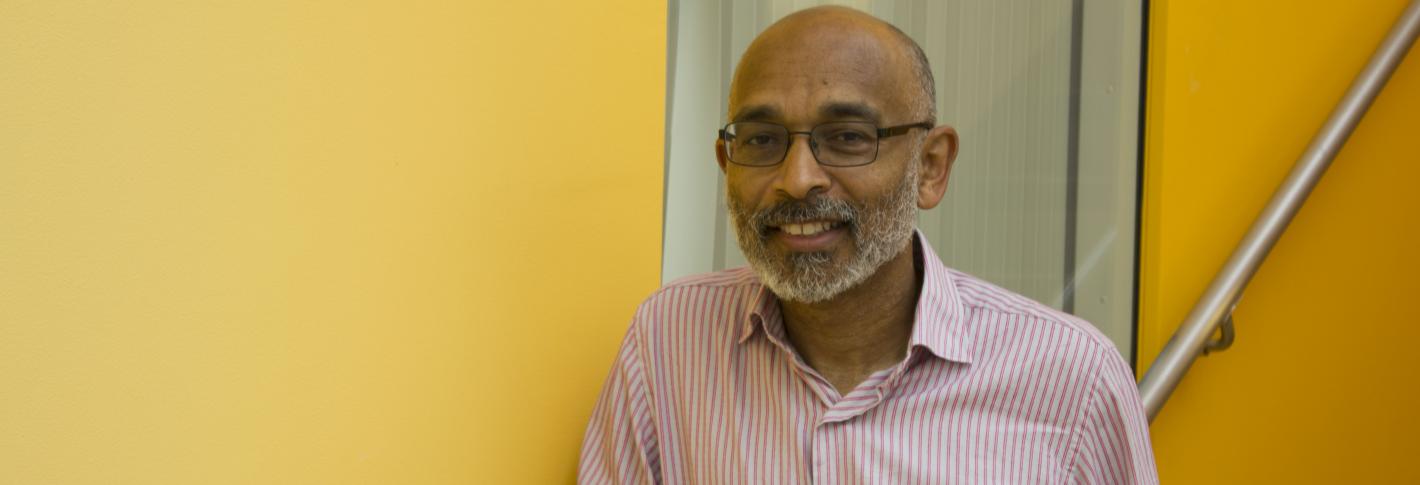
{"type": "Point", "coordinates": [1216, 305]}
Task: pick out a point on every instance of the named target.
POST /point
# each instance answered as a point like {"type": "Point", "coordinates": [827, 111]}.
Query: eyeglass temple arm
{"type": "Point", "coordinates": [898, 130]}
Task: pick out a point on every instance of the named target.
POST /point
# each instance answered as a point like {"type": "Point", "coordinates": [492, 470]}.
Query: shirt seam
{"type": "Point", "coordinates": [1098, 341]}
{"type": "Point", "coordinates": [719, 279]}
{"type": "Point", "coordinates": [644, 388]}
{"type": "Point", "coordinates": [1077, 430]}
{"type": "Point", "coordinates": [1045, 316]}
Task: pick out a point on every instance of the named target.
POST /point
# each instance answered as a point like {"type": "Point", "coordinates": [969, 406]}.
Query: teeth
{"type": "Point", "coordinates": [806, 229]}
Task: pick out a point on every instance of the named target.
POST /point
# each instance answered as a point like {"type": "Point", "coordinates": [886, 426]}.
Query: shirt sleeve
{"type": "Point", "coordinates": [620, 444]}
{"type": "Point", "coordinates": [1112, 435]}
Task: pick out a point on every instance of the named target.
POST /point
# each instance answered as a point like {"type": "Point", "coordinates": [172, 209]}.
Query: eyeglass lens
{"type": "Point", "coordinates": [836, 144]}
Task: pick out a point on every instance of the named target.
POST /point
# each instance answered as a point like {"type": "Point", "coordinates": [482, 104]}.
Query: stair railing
{"type": "Point", "coordinates": [1214, 310]}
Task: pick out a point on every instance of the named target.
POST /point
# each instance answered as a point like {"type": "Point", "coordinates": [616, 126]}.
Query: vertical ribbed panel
{"type": "Point", "coordinates": [1003, 71]}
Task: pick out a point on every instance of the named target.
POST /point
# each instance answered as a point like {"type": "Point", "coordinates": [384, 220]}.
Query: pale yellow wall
{"type": "Point", "coordinates": [1320, 386]}
{"type": "Point", "coordinates": [319, 242]}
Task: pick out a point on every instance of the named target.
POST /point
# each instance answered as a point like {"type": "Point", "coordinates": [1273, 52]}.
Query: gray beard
{"type": "Point", "coordinates": [879, 230]}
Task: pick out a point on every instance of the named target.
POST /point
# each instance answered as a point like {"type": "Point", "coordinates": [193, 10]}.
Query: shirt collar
{"type": "Point", "coordinates": [939, 323]}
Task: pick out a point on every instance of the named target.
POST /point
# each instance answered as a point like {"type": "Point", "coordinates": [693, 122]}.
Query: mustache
{"type": "Point", "coordinates": [804, 210]}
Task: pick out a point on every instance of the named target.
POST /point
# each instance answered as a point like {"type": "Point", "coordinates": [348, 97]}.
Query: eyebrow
{"type": "Point", "coordinates": [831, 111]}
{"type": "Point", "coordinates": [838, 111]}
{"type": "Point", "coordinates": [761, 112]}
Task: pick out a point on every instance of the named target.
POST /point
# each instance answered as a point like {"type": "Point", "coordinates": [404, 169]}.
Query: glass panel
{"type": "Point", "coordinates": [1045, 97]}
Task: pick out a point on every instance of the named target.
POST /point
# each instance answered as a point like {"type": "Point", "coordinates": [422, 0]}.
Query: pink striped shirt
{"type": "Point", "coordinates": [995, 388]}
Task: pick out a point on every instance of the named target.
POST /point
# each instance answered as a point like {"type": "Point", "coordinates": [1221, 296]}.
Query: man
{"type": "Point", "coordinates": [847, 353]}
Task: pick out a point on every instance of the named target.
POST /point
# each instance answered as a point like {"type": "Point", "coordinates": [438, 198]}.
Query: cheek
{"type": "Point", "coordinates": [860, 186]}
{"type": "Point", "coordinates": [750, 188]}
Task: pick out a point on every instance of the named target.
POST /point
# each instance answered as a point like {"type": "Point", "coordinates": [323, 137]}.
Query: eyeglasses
{"type": "Point", "coordinates": [836, 144]}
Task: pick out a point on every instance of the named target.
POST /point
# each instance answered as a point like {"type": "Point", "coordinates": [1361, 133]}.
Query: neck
{"type": "Point", "coordinates": [863, 330]}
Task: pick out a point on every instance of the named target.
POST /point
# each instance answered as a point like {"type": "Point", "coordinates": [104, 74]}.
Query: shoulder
{"type": "Point", "coordinates": [735, 277]}
{"type": "Point", "coordinates": [1058, 355]}
{"type": "Point", "coordinates": [993, 306]}
{"type": "Point", "coordinates": [701, 289]}
{"type": "Point", "coordinates": [1053, 349]}
{"type": "Point", "coordinates": [697, 305]}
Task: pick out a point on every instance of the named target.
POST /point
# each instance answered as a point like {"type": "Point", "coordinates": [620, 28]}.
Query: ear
{"type": "Point", "coordinates": [720, 156]}
{"type": "Point", "coordinates": [939, 150]}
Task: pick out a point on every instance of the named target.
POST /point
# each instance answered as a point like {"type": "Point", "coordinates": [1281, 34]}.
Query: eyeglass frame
{"type": "Point", "coordinates": [888, 132]}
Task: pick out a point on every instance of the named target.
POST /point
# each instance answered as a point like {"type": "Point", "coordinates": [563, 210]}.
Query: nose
{"type": "Point", "coordinates": [801, 175]}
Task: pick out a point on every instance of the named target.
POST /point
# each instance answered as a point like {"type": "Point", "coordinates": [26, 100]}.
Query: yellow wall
{"type": "Point", "coordinates": [1319, 387]}
{"type": "Point", "coordinates": [319, 242]}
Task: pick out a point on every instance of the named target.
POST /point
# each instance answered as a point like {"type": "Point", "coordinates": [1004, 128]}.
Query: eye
{"type": "Point", "coordinates": [848, 137]}
{"type": "Point", "coordinates": [760, 139]}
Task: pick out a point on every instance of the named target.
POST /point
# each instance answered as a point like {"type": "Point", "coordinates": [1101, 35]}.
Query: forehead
{"type": "Point", "coordinates": [808, 75]}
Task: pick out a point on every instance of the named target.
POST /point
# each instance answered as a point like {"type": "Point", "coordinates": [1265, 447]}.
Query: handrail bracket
{"type": "Point", "coordinates": [1224, 340]}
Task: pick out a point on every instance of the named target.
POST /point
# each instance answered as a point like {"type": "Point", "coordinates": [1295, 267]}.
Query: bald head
{"type": "Point", "coordinates": [829, 44]}
{"type": "Point", "coordinates": [825, 73]}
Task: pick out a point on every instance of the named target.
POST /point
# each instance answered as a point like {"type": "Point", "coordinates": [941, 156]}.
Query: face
{"type": "Point", "coordinates": [810, 231]}
{"type": "Point", "coordinates": [811, 250]}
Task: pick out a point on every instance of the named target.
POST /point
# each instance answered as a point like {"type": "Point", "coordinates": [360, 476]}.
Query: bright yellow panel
{"type": "Point", "coordinates": [1318, 387]}
{"type": "Point", "coordinates": [319, 242]}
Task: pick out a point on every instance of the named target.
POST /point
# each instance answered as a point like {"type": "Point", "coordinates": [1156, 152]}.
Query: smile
{"type": "Point", "coordinates": [812, 236]}
{"type": "Point", "coordinates": [809, 228]}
